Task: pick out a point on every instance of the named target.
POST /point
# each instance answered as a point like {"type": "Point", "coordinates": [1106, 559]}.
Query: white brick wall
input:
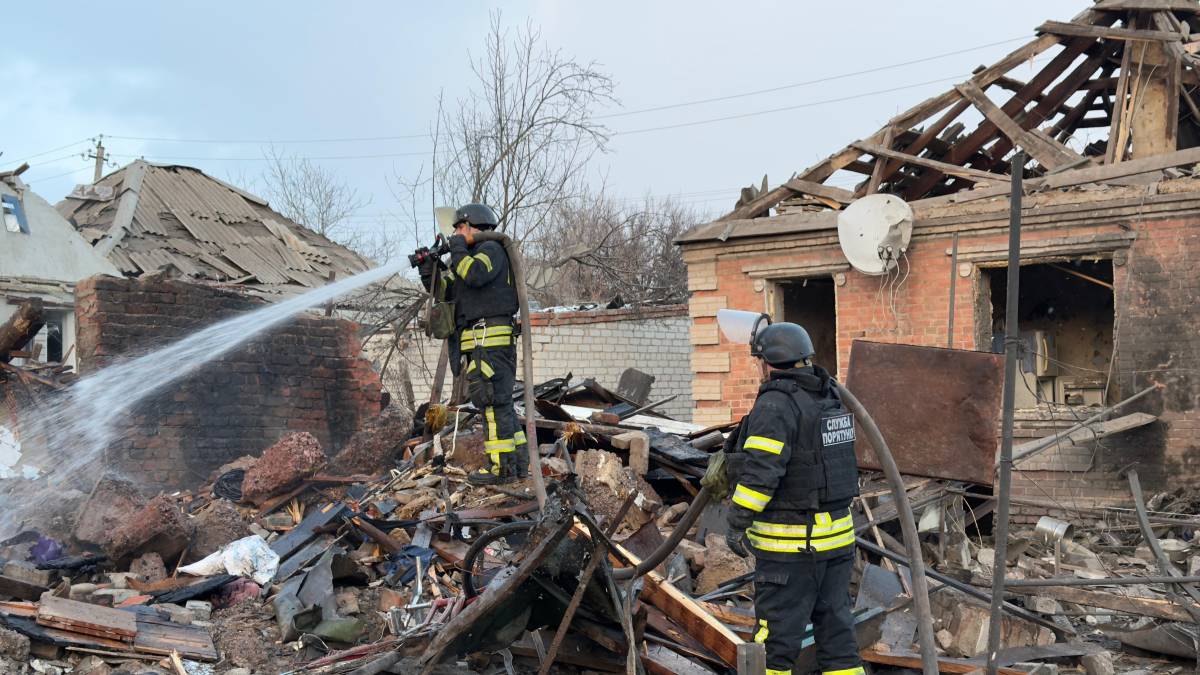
{"type": "Point", "coordinates": [600, 350]}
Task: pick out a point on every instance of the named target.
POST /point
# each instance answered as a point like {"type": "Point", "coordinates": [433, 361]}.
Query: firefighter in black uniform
{"type": "Point", "coordinates": [791, 504]}
{"type": "Point", "coordinates": [479, 281]}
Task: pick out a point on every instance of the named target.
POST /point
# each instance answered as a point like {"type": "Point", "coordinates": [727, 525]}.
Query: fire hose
{"type": "Point", "coordinates": [514, 260]}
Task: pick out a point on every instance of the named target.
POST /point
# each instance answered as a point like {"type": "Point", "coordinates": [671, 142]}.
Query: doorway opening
{"type": "Point", "coordinates": [812, 303]}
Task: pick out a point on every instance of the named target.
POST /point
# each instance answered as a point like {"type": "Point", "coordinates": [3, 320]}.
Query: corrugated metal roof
{"type": "Point", "coordinates": [212, 230]}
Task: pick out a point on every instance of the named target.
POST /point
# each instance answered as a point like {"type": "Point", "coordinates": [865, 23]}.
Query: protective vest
{"type": "Point", "coordinates": [497, 300]}
{"type": "Point", "coordinates": [822, 473]}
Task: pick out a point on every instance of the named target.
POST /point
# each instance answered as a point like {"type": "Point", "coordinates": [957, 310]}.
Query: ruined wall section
{"type": "Point", "coordinates": [305, 375]}
{"type": "Point", "coordinates": [599, 344]}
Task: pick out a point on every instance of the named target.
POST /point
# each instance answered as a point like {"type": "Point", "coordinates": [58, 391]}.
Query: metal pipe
{"type": "Point", "coordinates": [1164, 563]}
{"type": "Point", "coordinates": [920, 590]}
{"type": "Point", "coordinates": [1113, 581]}
{"type": "Point", "coordinates": [660, 554]}
{"type": "Point", "coordinates": [953, 281]}
{"type": "Point", "coordinates": [514, 259]}
{"type": "Point", "coordinates": [1011, 336]}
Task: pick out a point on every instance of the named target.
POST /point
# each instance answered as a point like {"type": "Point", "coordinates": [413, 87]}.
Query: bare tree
{"type": "Point", "coordinates": [617, 251]}
{"type": "Point", "coordinates": [318, 199]}
{"type": "Point", "coordinates": [521, 140]}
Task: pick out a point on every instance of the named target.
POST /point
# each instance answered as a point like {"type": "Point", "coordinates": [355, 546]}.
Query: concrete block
{"type": "Point", "coordinates": [638, 445]}
{"type": "Point", "coordinates": [1098, 664]}
{"type": "Point", "coordinates": [201, 610]}
{"type": "Point", "coordinates": [27, 572]}
{"type": "Point", "coordinates": [1043, 605]}
{"type": "Point", "coordinates": [179, 615]}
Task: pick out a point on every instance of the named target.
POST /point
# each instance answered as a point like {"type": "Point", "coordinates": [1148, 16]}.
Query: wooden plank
{"type": "Point", "coordinates": [1118, 130]}
{"type": "Point", "coordinates": [686, 612]}
{"type": "Point", "coordinates": [819, 190]}
{"type": "Point", "coordinates": [1094, 432]}
{"type": "Point", "coordinates": [945, 664]}
{"type": "Point", "coordinates": [1159, 609]}
{"type": "Point", "coordinates": [1107, 33]}
{"type": "Point", "coordinates": [1144, 5]}
{"type": "Point", "coordinates": [163, 637]}
{"type": "Point", "coordinates": [880, 162]}
{"type": "Point", "coordinates": [973, 175]}
{"type": "Point", "coordinates": [85, 618]}
{"type": "Point", "coordinates": [1048, 155]}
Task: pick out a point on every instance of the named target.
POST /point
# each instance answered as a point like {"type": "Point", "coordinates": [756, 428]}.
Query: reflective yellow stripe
{"type": "Point", "coordinates": [765, 444]}
{"type": "Point", "coordinates": [822, 519]}
{"type": "Point", "coordinates": [847, 671]}
{"type": "Point", "coordinates": [463, 266]}
{"type": "Point", "coordinates": [778, 672]}
{"type": "Point", "coordinates": [800, 545]}
{"type": "Point", "coordinates": [503, 445]}
{"type": "Point", "coordinates": [761, 636]}
{"type": "Point", "coordinates": [784, 530]}
{"type": "Point", "coordinates": [519, 438]}
{"type": "Point", "coordinates": [755, 501]}
{"type": "Point", "coordinates": [502, 341]}
{"type": "Point", "coordinates": [487, 331]}
{"type": "Point", "coordinates": [483, 258]}
{"type": "Point", "coordinates": [490, 414]}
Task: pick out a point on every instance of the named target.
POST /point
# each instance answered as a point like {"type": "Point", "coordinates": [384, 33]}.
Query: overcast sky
{"type": "Point", "coordinates": [286, 71]}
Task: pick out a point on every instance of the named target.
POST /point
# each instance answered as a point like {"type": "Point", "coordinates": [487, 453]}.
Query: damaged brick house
{"type": "Point", "coordinates": [1110, 235]}
{"type": "Point", "coordinates": [194, 249]}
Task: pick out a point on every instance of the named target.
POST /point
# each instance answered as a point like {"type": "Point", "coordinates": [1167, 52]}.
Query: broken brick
{"type": "Point", "coordinates": [159, 528]}
{"type": "Point", "coordinates": [292, 459]}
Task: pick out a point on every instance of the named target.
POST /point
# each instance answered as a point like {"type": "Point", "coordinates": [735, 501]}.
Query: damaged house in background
{"type": "Point", "coordinates": [1108, 306]}
{"type": "Point", "coordinates": [42, 257]}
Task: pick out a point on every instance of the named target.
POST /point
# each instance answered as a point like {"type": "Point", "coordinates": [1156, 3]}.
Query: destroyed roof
{"type": "Point", "coordinates": [1091, 74]}
{"type": "Point", "coordinates": [147, 216]}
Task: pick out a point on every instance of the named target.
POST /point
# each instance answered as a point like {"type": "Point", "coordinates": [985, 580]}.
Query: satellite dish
{"type": "Point", "coordinates": [874, 232]}
{"type": "Point", "coordinates": [444, 215]}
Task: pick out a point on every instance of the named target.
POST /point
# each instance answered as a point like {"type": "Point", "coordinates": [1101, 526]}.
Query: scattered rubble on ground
{"type": "Point", "coordinates": [388, 561]}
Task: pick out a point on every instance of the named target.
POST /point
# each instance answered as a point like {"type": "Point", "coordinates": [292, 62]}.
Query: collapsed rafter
{"type": "Point", "coordinates": [1129, 66]}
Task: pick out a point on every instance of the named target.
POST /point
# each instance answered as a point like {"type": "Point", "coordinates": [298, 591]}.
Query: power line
{"type": "Point", "coordinates": [624, 113]}
{"type": "Point", "coordinates": [798, 106]}
{"type": "Point", "coordinates": [354, 139]}
{"type": "Point", "coordinates": [40, 154]}
{"type": "Point", "coordinates": [57, 175]}
{"type": "Point", "coordinates": [828, 78]}
{"type": "Point", "coordinates": [263, 159]}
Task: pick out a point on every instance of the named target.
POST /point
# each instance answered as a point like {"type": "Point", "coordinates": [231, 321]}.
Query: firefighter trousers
{"type": "Point", "coordinates": [787, 595]}
{"type": "Point", "coordinates": [491, 374]}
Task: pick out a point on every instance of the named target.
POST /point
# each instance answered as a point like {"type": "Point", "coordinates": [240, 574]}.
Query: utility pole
{"type": "Point", "coordinates": [97, 154]}
{"type": "Point", "coordinates": [1011, 337]}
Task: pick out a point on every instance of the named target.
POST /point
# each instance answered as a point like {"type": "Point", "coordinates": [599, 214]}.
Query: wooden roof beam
{"type": "Point", "coordinates": [1053, 102]}
{"type": "Point", "coordinates": [973, 175]}
{"type": "Point", "coordinates": [968, 146]}
{"type": "Point", "coordinates": [1108, 33]}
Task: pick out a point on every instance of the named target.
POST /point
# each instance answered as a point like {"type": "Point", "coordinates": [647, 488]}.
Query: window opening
{"type": "Point", "coordinates": [14, 214]}
{"type": "Point", "coordinates": [1066, 318]}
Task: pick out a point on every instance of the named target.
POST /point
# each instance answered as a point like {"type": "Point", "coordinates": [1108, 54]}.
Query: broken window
{"type": "Point", "coordinates": [1065, 312]}
{"type": "Point", "coordinates": [811, 302]}
{"type": "Point", "coordinates": [14, 214]}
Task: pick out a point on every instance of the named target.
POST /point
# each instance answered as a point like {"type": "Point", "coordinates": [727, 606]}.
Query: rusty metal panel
{"type": "Point", "coordinates": [938, 409]}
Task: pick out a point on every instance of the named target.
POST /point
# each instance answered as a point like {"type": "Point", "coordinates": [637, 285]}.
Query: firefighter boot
{"type": "Point", "coordinates": [521, 460]}
{"type": "Point", "coordinates": [497, 473]}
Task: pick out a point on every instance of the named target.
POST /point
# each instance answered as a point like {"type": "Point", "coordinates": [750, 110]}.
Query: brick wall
{"type": "Point", "coordinates": [1156, 285]}
{"type": "Point", "coordinates": [304, 375]}
{"type": "Point", "coordinates": [599, 344]}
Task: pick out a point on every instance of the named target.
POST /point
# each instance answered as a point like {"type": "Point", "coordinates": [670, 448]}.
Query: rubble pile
{"type": "Point", "coordinates": [390, 561]}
